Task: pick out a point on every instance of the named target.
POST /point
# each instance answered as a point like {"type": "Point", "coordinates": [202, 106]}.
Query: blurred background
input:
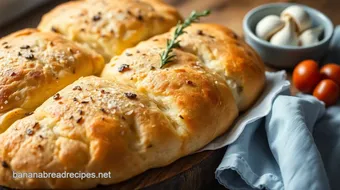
{"type": "Point", "coordinates": [17, 14]}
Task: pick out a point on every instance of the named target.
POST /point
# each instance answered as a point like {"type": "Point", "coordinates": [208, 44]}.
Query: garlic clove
{"type": "Point", "coordinates": [300, 17]}
{"type": "Point", "coordinates": [268, 26]}
{"type": "Point", "coordinates": [287, 36]}
{"type": "Point", "coordinates": [310, 36]}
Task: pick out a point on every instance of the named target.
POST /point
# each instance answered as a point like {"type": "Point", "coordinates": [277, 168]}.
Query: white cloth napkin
{"type": "Point", "coordinates": [275, 83]}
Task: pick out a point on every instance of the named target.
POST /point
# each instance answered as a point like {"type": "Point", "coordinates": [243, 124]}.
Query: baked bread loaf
{"type": "Point", "coordinates": [137, 116]}
{"type": "Point", "coordinates": [110, 26]}
{"type": "Point", "coordinates": [35, 65]}
{"type": "Point", "coordinates": [211, 47]}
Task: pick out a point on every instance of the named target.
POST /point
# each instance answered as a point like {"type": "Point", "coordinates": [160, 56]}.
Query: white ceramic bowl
{"type": "Point", "coordinates": [286, 57]}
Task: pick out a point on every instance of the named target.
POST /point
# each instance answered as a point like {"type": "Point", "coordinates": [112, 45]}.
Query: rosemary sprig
{"type": "Point", "coordinates": [167, 56]}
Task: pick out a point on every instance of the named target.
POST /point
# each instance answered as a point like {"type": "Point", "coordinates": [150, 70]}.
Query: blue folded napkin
{"type": "Point", "coordinates": [295, 147]}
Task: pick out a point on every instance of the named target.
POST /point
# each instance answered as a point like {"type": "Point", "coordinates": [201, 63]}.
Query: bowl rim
{"type": "Point", "coordinates": [253, 11]}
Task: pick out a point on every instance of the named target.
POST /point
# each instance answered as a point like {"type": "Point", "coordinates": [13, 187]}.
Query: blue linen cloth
{"type": "Point", "coordinates": [295, 147]}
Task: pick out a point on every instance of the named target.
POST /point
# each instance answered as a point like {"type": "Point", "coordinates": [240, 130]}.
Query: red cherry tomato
{"type": "Point", "coordinates": [327, 91]}
{"type": "Point", "coordinates": [306, 76]}
{"type": "Point", "coordinates": [331, 71]}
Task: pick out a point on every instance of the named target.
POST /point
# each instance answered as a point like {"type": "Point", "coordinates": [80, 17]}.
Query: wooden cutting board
{"type": "Point", "coordinates": [191, 172]}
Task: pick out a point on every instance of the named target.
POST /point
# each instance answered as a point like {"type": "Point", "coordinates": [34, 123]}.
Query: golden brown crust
{"type": "Point", "coordinates": [93, 127]}
{"type": "Point", "coordinates": [34, 65]}
{"type": "Point", "coordinates": [137, 116]}
{"type": "Point", "coordinates": [110, 26]}
{"type": "Point", "coordinates": [216, 48]}
{"type": "Point", "coordinates": [226, 54]}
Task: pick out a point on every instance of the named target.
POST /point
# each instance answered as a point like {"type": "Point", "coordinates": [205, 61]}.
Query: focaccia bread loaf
{"type": "Point", "coordinates": [110, 26]}
{"type": "Point", "coordinates": [35, 65]}
{"type": "Point", "coordinates": [137, 116]}
{"type": "Point", "coordinates": [211, 47]}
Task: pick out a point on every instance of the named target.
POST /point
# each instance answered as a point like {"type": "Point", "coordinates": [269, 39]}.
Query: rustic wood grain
{"type": "Point", "coordinates": [230, 13]}
{"type": "Point", "coordinates": [195, 171]}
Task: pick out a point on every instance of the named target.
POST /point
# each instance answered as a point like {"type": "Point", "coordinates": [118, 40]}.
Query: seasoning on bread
{"type": "Point", "coordinates": [139, 117]}
{"type": "Point", "coordinates": [110, 26]}
{"type": "Point", "coordinates": [34, 65]}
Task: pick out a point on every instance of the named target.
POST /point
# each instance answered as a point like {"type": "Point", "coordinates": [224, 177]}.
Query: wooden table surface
{"type": "Point", "coordinates": [231, 12]}
{"type": "Point", "coordinates": [226, 12]}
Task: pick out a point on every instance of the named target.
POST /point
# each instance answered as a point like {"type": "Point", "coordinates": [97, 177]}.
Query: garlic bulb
{"type": "Point", "coordinates": [310, 36]}
{"type": "Point", "coordinates": [287, 36]}
{"type": "Point", "coordinates": [268, 26]}
{"type": "Point", "coordinates": [300, 17]}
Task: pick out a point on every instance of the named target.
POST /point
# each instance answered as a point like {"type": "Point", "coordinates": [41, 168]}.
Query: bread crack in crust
{"type": "Point", "coordinates": [223, 53]}
{"type": "Point", "coordinates": [136, 116]}
{"type": "Point", "coordinates": [96, 129]}
{"type": "Point", "coordinates": [205, 49]}
{"type": "Point", "coordinates": [110, 26]}
{"type": "Point", "coordinates": [214, 76]}
{"type": "Point", "coordinates": [35, 65]}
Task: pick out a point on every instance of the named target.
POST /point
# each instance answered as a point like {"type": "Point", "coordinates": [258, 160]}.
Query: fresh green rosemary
{"type": "Point", "coordinates": [167, 56]}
